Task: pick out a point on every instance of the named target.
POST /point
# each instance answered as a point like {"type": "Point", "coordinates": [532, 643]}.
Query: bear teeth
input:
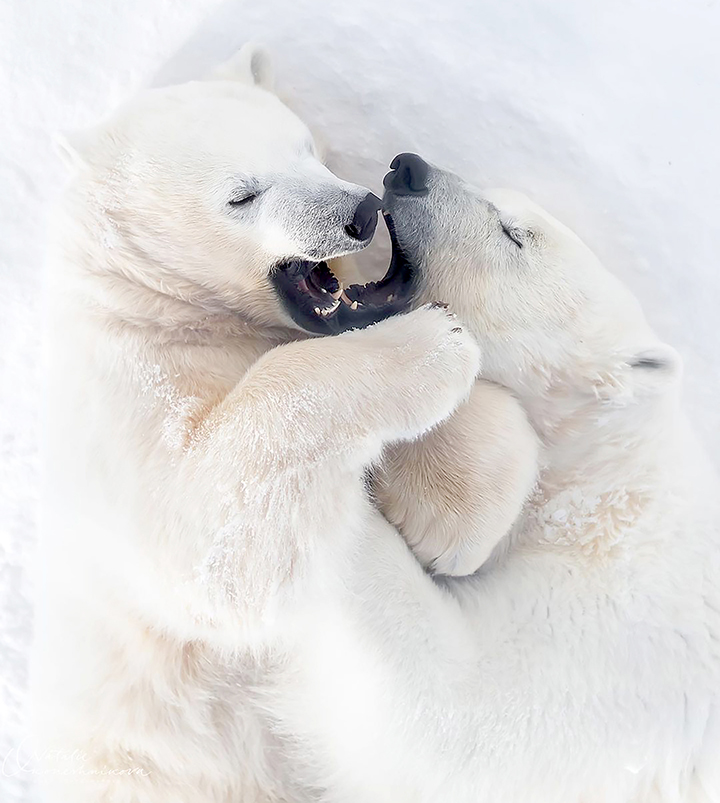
{"type": "Point", "coordinates": [324, 312]}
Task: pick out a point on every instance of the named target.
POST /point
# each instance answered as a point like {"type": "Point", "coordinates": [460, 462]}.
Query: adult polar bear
{"type": "Point", "coordinates": [189, 460]}
{"type": "Point", "coordinates": [544, 679]}
{"type": "Point", "coordinates": [589, 668]}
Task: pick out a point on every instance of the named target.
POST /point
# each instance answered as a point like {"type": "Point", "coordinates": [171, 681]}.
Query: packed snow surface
{"type": "Point", "coordinates": [605, 113]}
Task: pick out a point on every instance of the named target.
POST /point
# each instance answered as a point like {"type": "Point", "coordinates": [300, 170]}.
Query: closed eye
{"type": "Point", "coordinates": [243, 200]}
{"type": "Point", "coordinates": [512, 234]}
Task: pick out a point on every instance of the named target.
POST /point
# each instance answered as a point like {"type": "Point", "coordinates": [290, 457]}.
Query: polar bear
{"type": "Point", "coordinates": [195, 429]}
{"type": "Point", "coordinates": [582, 662]}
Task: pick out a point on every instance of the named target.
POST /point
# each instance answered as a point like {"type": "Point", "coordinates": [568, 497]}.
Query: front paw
{"type": "Point", "coordinates": [429, 363]}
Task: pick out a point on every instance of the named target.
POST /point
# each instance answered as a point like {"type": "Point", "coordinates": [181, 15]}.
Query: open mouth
{"type": "Point", "coordinates": [317, 301]}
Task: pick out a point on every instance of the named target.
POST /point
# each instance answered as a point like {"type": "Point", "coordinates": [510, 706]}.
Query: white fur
{"type": "Point", "coordinates": [455, 492]}
{"type": "Point", "coordinates": [227, 618]}
{"type": "Point", "coordinates": [582, 663]}
{"type": "Point", "coordinates": [194, 449]}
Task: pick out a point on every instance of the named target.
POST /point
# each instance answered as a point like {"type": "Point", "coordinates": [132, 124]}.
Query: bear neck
{"type": "Point", "coordinates": [109, 285]}
{"type": "Point", "coordinates": [614, 475]}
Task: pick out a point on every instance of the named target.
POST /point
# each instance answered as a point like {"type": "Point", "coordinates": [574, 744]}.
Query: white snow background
{"type": "Point", "coordinates": [606, 113]}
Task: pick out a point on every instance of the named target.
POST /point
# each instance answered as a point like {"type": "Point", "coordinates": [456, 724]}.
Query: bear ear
{"type": "Point", "coordinates": [251, 65]}
{"type": "Point", "coordinates": [647, 371]}
{"type": "Point", "coordinates": [655, 368]}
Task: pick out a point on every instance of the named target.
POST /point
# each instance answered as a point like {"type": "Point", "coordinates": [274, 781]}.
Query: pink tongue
{"type": "Point", "coordinates": [302, 284]}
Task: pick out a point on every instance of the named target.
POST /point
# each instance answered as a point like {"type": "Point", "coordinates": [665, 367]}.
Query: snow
{"type": "Point", "coordinates": [605, 113]}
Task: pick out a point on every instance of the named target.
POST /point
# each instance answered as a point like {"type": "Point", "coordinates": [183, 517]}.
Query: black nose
{"type": "Point", "coordinates": [408, 175]}
{"type": "Point", "coordinates": [365, 219]}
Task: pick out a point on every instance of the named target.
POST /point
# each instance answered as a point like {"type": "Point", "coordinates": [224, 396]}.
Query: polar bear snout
{"type": "Point", "coordinates": [364, 220]}
{"type": "Point", "coordinates": [408, 175]}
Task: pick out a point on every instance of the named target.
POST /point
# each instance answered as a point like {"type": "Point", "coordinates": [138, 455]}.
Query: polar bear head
{"type": "Point", "coordinates": [550, 319]}
{"type": "Point", "coordinates": [213, 192]}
